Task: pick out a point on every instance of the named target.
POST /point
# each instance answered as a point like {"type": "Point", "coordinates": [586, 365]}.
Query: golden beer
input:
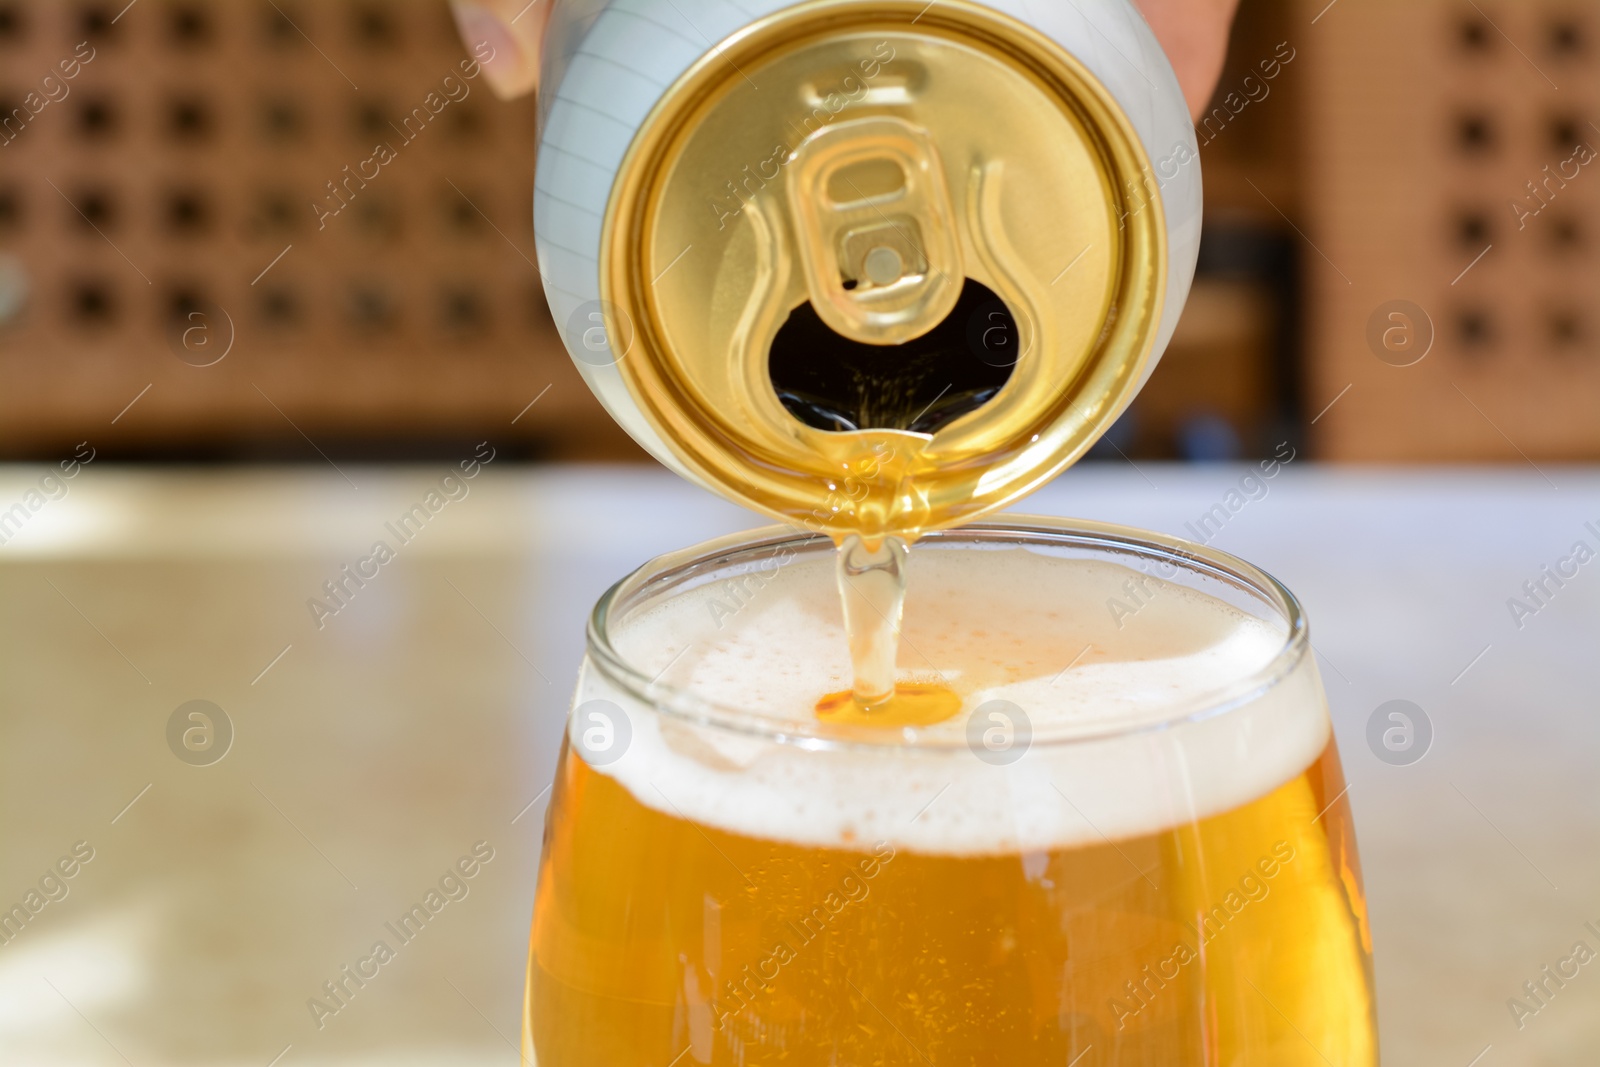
{"type": "Point", "coordinates": [1130, 847]}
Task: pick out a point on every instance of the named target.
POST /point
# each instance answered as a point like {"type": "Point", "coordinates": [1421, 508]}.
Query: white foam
{"type": "Point", "coordinates": [1042, 632]}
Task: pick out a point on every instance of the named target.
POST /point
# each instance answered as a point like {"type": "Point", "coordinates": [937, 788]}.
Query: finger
{"type": "Point", "coordinates": [504, 36]}
{"type": "Point", "coordinates": [1194, 34]}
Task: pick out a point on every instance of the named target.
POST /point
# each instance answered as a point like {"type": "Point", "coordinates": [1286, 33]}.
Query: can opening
{"type": "Point", "coordinates": [834, 383]}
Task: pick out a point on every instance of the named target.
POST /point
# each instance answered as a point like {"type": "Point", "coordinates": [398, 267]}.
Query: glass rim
{"type": "Point", "coordinates": [1017, 530]}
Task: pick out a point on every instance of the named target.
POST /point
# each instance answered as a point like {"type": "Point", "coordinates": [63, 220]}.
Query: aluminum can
{"type": "Point", "coordinates": [870, 266]}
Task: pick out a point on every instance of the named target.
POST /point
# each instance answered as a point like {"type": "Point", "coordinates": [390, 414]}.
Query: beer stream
{"type": "Point", "coordinates": [872, 586]}
{"type": "Point", "coordinates": [833, 383]}
{"type": "Point", "coordinates": [873, 581]}
{"type": "Point", "coordinates": [872, 589]}
{"type": "Point", "coordinates": [840, 385]}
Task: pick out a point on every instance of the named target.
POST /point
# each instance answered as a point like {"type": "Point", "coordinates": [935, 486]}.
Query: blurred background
{"type": "Point", "coordinates": [236, 394]}
{"type": "Point", "coordinates": [1350, 162]}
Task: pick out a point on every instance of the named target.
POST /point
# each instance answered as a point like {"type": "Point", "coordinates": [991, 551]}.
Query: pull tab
{"type": "Point", "coordinates": [876, 229]}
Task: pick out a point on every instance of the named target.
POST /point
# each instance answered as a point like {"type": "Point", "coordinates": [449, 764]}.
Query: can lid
{"type": "Point", "coordinates": [886, 266]}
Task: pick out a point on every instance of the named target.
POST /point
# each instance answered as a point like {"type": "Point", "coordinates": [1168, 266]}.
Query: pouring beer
{"type": "Point", "coordinates": [1132, 845]}
{"type": "Point", "coordinates": [899, 782]}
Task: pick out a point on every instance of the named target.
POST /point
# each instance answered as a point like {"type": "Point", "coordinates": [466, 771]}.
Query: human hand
{"type": "Point", "coordinates": [514, 31]}
{"type": "Point", "coordinates": [1193, 32]}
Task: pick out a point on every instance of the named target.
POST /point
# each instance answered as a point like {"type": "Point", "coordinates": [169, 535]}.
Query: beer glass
{"type": "Point", "coordinates": [1130, 846]}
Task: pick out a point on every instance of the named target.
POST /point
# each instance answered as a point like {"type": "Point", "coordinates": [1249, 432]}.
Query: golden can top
{"type": "Point", "coordinates": [861, 201]}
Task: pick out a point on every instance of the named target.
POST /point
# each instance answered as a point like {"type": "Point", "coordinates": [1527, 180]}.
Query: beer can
{"type": "Point", "coordinates": [870, 266]}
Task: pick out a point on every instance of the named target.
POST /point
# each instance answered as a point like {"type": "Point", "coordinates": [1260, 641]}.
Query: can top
{"type": "Point", "coordinates": [881, 267]}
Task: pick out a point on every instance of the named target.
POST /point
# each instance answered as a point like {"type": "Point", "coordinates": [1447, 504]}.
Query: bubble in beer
{"type": "Point", "coordinates": [1400, 333]}
{"type": "Point", "coordinates": [601, 732]}
{"type": "Point", "coordinates": [199, 733]}
{"type": "Point", "coordinates": [599, 334]}
{"type": "Point", "coordinates": [1399, 733]}
{"type": "Point", "coordinates": [999, 733]}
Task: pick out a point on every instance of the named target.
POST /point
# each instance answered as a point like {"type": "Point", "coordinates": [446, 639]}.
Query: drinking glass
{"type": "Point", "coordinates": [1131, 845]}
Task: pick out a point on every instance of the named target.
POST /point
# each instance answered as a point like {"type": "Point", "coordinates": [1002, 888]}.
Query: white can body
{"type": "Point", "coordinates": [608, 62]}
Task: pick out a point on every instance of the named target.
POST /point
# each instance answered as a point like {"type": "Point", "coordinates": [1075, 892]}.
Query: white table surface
{"type": "Point", "coordinates": [424, 718]}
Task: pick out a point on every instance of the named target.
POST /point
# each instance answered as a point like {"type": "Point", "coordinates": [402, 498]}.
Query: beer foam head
{"type": "Point", "coordinates": [1137, 706]}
